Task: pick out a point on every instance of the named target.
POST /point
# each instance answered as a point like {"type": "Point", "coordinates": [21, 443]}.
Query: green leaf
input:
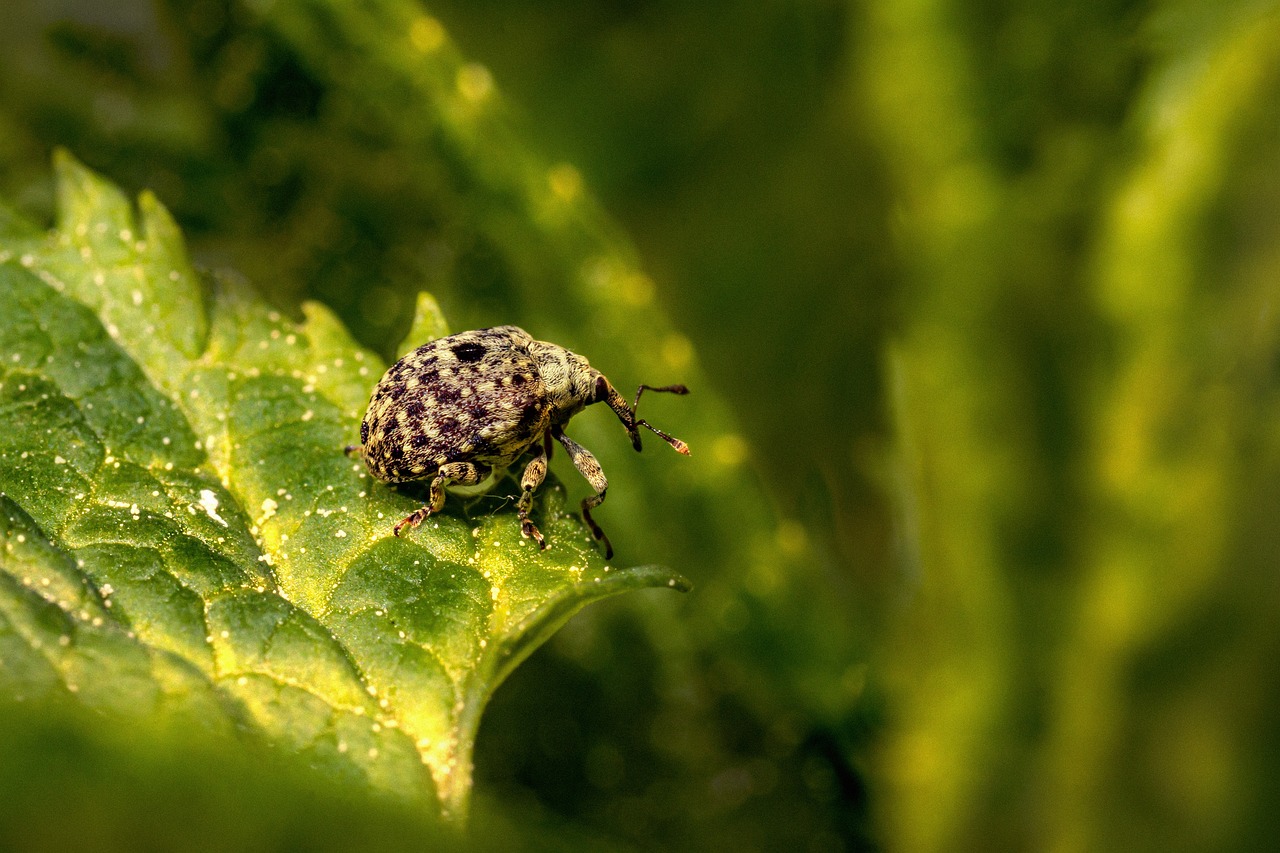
{"type": "Point", "coordinates": [184, 538]}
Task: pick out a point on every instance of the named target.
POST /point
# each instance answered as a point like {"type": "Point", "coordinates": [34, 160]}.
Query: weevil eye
{"type": "Point", "coordinates": [602, 390]}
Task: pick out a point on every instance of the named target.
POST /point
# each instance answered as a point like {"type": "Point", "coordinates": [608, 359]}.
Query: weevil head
{"type": "Point", "coordinates": [570, 381]}
{"type": "Point", "coordinates": [573, 384]}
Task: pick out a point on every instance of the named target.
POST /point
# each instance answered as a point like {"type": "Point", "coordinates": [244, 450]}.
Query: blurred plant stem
{"type": "Point", "coordinates": [1076, 396]}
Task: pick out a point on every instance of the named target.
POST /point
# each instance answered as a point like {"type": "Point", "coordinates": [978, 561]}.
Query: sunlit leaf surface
{"type": "Point", "coordinates": [183, 536]}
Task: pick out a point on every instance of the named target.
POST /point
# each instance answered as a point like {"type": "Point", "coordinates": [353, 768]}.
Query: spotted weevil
{"type": "Point", "coordinates": [464, 408]}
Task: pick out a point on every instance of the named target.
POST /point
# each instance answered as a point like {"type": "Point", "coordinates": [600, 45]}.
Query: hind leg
{"type": "Point", "coordinates": [590, 469]}
{"type": "Point", "coordinates": [462, 473]}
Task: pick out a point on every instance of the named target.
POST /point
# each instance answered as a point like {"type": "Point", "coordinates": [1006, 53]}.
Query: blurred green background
{"type": "Point", "coordinates": [978, 304]}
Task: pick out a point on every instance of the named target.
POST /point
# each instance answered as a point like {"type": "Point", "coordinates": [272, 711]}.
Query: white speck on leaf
{"type": "Point", "coordinates": [209, 501]}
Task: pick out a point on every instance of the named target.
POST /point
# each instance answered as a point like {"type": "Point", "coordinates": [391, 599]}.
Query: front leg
{"type": "Point", "coordinates": [590, 469]}
{"type": "Point", "coordinates": [462, 473]}
{"type": "Point", "coordinates": [533, 474]}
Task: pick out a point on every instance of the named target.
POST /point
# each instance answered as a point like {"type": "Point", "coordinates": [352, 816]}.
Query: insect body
{"type": "Point", "coordinates": [467, 406]}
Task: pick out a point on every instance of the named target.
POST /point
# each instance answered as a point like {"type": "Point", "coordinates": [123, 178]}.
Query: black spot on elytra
{"type": "Point", "coordinates": [519, 379]}
{"type": "Point", "coordinates": [419, 441]}
{"type": "Point", "coordinates": [528, 418]}
{"type": "Point", "coordinates": [446, 394]}
{"type": "Point", "coordinates": [468, 351]}
{"type": "Point", "coordinates": [395, 452]}
{"type": "Point", "coordinates": [364, 432]}
{"type": "Point", "coordinates": [415, 408]}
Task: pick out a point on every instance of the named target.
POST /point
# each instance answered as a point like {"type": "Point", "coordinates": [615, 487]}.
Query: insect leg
{"type": "Point", "coordinates": [533, 474]}
{"type": "Point", "coordinates": [357, 449]}
{"type": "Point", "coordinates": [590, 469]}
{"type": "Point", "coordinates": [462, 473]}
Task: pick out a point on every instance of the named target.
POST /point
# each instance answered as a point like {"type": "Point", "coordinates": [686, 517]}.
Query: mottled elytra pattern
{"type": "Point", "coordinates": [476, 397]}
{"type": "Point", "coordinates": [461, 407]}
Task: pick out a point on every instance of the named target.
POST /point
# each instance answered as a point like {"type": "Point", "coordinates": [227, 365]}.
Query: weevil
{"type": "Point", "coordinates": [462, 409]}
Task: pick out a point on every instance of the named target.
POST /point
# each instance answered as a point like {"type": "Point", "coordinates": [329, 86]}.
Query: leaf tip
{"type": "Point", "coordinates": [428, 324]}
{"type": "Point", "coordinates": [69, 171]}
{"type": "Point", "coordinates": [651, 576]}
{"type": "Point", "coordinates": [680, 583]}
{"type": "Point", "coordinates": [83, 195]}
{"type": "Point", "coordinates": [63, 159]}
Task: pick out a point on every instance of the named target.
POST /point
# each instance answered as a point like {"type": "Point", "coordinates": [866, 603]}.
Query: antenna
{"type": "Point", "coordinates": [676, 443]}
